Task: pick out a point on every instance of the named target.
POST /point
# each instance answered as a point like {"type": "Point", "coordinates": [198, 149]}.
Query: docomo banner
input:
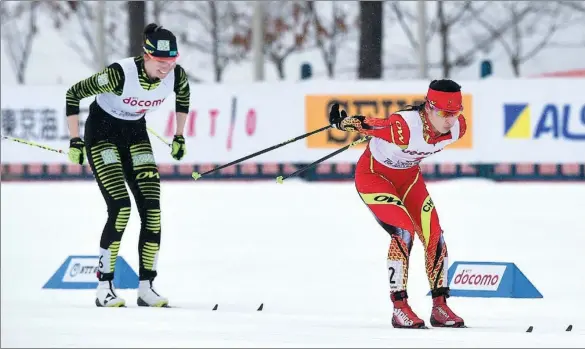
{"type": "Point", "coordinates": [477, 277]}
{"type": "Point", "coordinates": [535, 120]}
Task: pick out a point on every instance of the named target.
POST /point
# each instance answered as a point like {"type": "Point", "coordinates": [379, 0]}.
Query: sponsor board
{"type": "Point", "coordinates": [508, 121]}
{"type": "Point", "coordinates": [380, 106]}
{"type": "Point", "coordinates": [489, 279]}
{"type": "Point", "coordinates": [80, 272]}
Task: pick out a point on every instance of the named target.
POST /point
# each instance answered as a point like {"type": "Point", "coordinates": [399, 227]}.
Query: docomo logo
{"type": "Point", "coordinates": [477, 277]}
{"type": "Point", "coordinates": [135, 102]}
{"type": "Point", "coordinates": [466, 278]}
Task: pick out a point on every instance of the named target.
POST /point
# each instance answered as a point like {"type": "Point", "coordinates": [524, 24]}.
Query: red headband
{"type": "Point", "coordinates": [448, 101]}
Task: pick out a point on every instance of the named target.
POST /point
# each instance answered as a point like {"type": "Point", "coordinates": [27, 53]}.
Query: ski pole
{"type": "Point", "coordinates": [280, 179]}
{"type": "Point", "coordinates": [158, 136]}
{"type": "Point", "coordinates": [197, 175]}
{"type": "Point", "coordinates": [33, 144]}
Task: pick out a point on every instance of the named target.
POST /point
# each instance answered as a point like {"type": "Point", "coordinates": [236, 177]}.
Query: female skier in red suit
{"type": "Point", "coordinates": [389, 181]}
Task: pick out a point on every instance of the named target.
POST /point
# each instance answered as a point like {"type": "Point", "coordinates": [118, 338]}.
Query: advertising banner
{"type": "Point", "coordinates": [545, 124]}
{"type": "Point", "coordinates": [223, 123]}
{"type": "Point", "coordinates": [508, 121]}
{"type": "Point", "coordinates": [380, 106]}
{"type": "Point", "coordinates": [377, 99]}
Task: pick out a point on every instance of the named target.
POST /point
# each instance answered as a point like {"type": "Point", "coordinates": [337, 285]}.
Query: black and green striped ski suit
{"type": "Point", "coordinates": [119, 151]}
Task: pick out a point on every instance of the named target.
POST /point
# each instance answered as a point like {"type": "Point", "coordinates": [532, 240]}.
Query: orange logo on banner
{"type": "Point", "coordinates": [317, 115]}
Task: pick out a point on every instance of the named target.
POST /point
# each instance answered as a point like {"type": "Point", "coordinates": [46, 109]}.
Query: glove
{"type": "Point", "coordinates": [77, 151]}
{"type": "Point", "coordinates": [178, 150]}
{"type": "Point", "coordinates": [341, 121]}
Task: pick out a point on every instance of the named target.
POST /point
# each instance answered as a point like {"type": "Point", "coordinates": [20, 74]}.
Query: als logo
{"type": "Point", "coordinates": [556, 121]}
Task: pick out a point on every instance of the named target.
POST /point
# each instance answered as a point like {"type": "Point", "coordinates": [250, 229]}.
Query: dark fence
{"type": "Point", "coordinates": [323, 172]}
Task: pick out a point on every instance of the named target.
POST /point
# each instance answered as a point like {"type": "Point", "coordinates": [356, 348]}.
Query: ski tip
{"type": "Point", "coordinates": [214, 307]}
{"type": "Point", "coordinates": [569, 328]}
{"type": "Point", "coordinates": [530, 329]}
{"type": "Point", "coordinates": [261, 307]}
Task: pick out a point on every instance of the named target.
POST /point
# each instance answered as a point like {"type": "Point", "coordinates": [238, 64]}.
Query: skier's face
{"type": "Point", "coordinates": [442, 120]}
{"type": "Point", "coordinates": [158, 68]}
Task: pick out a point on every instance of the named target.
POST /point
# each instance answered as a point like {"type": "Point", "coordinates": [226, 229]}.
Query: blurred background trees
{"type": "Point", "coordinates": [366, 39]}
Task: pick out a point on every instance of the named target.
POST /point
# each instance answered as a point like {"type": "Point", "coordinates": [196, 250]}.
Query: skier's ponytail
{"type": "Point", "coordinates": [151, 28]}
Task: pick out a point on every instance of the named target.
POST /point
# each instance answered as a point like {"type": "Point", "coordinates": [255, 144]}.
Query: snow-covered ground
{"type": "Point", "coordinates": [312, 253]}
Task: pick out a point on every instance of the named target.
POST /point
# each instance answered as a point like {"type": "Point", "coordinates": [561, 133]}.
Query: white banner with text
{"type": "Point", "coordinates": [516, 121]}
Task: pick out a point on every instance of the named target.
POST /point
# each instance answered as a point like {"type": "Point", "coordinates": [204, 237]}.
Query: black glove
{"type": "Point", "coordinates": [335, 116]}
{"type": "Point", "coordinates": [76, 151]}
{"type": "Point", "coordinates": [341, 121]}
{"type": "Point", "coordinates": [178, 147]}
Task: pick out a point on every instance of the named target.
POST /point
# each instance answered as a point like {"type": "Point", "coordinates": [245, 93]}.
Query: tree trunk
{"type": "Point", "coordinates": [515, 62]}
{"type": "Point", "coordinates": [136, 24]}
{"type": "Point", "coordinates": [215, 41]}
{"type": "Point", "coordinates": [157, 10]}
{"type": "Point", "coordinates": [28, 41]}
{"type": "Point", "coordinates": [332, 57]}
{"type": "Point", "coordinates": [20, 73]}
{"type": "Point", "coordinates": [330, 68]}
{"type": "Point", "coordinates": [370, 51]}
{"type": "Point", "coordinates": [444, 34]}
{"type": "Point", "coordinates": [280, 68]}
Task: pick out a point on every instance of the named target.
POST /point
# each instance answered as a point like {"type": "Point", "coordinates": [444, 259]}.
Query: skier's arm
{"type": "Point", "coordinates": [393, 129]}
{"type": "Point", "coordinates": [111, 79]}
{"type": "Point", "coordinates": [182, 98]}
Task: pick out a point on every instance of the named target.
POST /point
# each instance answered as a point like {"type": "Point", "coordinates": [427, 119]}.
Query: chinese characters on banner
{"type": "Point", "coordinates": [38, 125]}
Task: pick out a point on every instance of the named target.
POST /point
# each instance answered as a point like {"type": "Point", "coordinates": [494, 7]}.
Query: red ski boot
{"type": "Point", "coordinates": [442, 315]}
{"type": "Point", "coordinates": [403, 316]}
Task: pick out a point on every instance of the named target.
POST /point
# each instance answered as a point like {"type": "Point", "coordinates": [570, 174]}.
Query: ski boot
{"type": "Point", "coordinates": [403, 316]}
{"type": "Point", "coordinates": [106, 295]}
{"type": "Point", "coordinates": [148, 297]}
{"type": "Point", "coordinates": [442, 315]}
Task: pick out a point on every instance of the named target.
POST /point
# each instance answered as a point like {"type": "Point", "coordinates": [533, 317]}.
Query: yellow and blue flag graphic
{"type": "Point", "coordinates": [517, 121]}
